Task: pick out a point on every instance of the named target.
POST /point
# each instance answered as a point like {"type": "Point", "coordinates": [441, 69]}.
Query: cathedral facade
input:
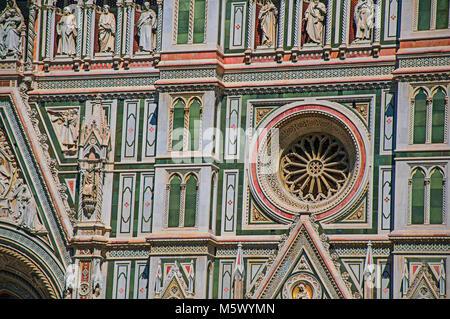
{"type": "Point", "coordinates": [220, 149]}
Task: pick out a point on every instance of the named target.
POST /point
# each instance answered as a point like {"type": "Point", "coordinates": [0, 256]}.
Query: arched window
{"type": "Point", "coordinates": [199, 21]}
{"type": "Point", "coordinates": [442, 14]}
{"type": "Point", "coordinates": [420, 117]}
{"type": "Point", "coordinates": [183, 21]}
{"type": "Point", "coordinates": [178, 125]}
{"type": "Point", "coordinates": [424, 15]}
{"type": "Point", "coordinates": [194, 124]}
{"type": "Point", "coordinates": [436, 196]}
{"type": "Point", "coordinates": [188, 33]}
{"type": "Point", "coordinates": [438, 117]}
{"type": "Point", "coordinates": [190, 210]}
{"type": "Point", "coordinates": [418, 197]}
{"type": "Point", "coordinates": [174, 201]}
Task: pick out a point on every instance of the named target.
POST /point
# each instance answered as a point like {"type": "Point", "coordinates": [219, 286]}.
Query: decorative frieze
{"type": "Point", "coordinates": [62, 84]}
{"type": "Point", "coordinates": [358, 251]}
{"type": "Point", "coordinates": [309, 74]}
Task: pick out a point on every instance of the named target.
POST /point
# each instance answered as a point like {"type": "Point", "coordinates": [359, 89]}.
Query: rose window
{"type": "Point", "coordinates": [315, 168]}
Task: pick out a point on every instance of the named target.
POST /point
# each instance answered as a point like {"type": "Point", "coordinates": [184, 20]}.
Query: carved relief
{"type": "Point", "coordinates": [17, 203]}
{"type": "Point", "coordinates": [11, 26]}
{"type": "Point", "coordinates": [66, 125]}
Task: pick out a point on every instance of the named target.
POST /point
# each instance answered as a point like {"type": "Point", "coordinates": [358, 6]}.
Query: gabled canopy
{"type": "Point", "coordinates": [303, 268]}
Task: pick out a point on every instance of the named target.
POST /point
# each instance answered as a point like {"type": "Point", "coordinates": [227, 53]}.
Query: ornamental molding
{"type": "Point", "coordinates": [64, 96]}
{"type": "Point", "coordinates": [274, 88]}
{"type": "Point", "coordinates": [19, 265]}
{"type": "Point", "coordinates": [423, 62]}
{"type": "Point", "coordinates": [56, 209]}
{"type": "Point", "coordinates": [361, 250]}
{"type": "Point", "coordinates": [422, 247]}
{"type": "Point", "coordinates": [128, 254]}
{"type": "Point", "coordinates": [97, 81]}
{"type": "Point", "coordinates": [339, 71]}
{"type": "Point", "coordinates": [35, 253]}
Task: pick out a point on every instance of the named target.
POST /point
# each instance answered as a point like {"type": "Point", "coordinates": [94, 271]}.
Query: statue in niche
{"type": "Point", "coordinates": [302, 292]}
{"type": "Point", "coordinates": [89, 191]}
{"type": "Point", "coordinates": [315, 17]}
{"type": "Point", "coordinates": [145, 28]}
{"type": "Point", "coordinates": [268, 21]}
{"type": "Point", "coordinates": [107, 30]}
{"type": "Point", "coordinates": [67, 31]}
{"type": "Point", "coordinates": [364, 20]}
{"type": "Point", "coordinates": [11, 23]}
{"type": "Point", "coordinates": [66, 127]}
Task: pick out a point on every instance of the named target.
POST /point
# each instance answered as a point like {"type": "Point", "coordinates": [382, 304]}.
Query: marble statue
{"type": "Point", "coordinates": [315, 17]}
{"type": "Point", "coordinates": [145, 28]}
{"type": "Point", "coordinates": [364, 20]}
{"type": "Point", "coordinates": [11, 21]}
{"type": "Point", "coordinates": [107, 30]}
{"type": "Point", "coordinates": [97, 280]}
{"type": "Point", "coordinates": [67, 31]}
{"type": "Point", "coordinates": [268, 21]}
{"type": "Point", "coordinates": [70, 280]}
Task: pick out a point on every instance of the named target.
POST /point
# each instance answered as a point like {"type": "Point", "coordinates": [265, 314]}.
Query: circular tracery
{"type": "Point", "coordinates": [309, 158]}
{"type": "Point", "coordinates": [315, 168]}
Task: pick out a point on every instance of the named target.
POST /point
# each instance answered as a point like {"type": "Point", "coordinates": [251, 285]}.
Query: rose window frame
{"type": "Point", "coordinates": [286, 126]}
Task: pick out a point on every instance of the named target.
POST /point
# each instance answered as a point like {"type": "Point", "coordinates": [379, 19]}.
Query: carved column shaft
{"type": "Point", "coordinates": [90, 29]}
{"type": "Point", "coordinates": [251, 26]}
{"type": "Point", "coordinates": [50, 12]}
{"type": "Point", "coordinates": [119, 27]}
{"type": "Point", "coordinates": [31, 36]}
{"type": "Point", "coordinates": [377, 25]}
{"type": "Point", "coordinates": [282, 18]}
{"type": "Point", "coordinates": [79, 43]}
{"type": "Point", "coordinates": [345, 22]}
{"type": "Point", "coordinates": [328, 25]}
{"type": "Point", "coordinates": [130, 12]}
{"type": "Point", "coordinates": [429, 115]}
{"type": "Point", "coordinates": [160, 24]}
{"type": "Point", "coordinates": [297, 23]}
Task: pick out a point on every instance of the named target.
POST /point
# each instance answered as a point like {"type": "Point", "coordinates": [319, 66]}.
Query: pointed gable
{"type": "Point", "coordinates": [303, 268]}
{"type": "Point", "coordinates": [423, 285]}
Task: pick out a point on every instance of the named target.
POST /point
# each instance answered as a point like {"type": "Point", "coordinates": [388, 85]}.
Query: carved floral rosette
{"type": "Point", "coordinates": [284, 128]}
